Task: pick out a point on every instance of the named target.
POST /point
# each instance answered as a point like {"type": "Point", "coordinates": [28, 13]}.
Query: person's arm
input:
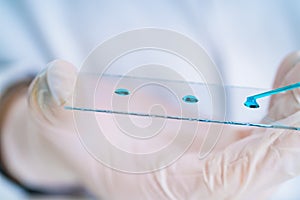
{"type": "Point", "coordinates": [26, 157]}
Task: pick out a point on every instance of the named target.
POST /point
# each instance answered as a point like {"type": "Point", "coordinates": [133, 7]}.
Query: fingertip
{"type": "Point", "coordinates": [61, 78]}
{"type": "Point", "coordinates": [293, 77]}
{"type": "Point", "coordinates": [285, 104]}
{"type": "Point", "coordinates": [285, 66]}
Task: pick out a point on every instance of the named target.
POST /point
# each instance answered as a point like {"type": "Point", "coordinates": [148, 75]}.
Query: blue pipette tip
{"type": "Point", "coordinates": [251, 103]}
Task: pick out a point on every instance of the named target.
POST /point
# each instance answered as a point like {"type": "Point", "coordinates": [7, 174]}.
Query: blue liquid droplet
{"type": "Point", "coordinates": [190, 99]}
{"type": "Point", "coordinates": [251, 103]}
{"type": "Point", "coordinates": [122, 92]}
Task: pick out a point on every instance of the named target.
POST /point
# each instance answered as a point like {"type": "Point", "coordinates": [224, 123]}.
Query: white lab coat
{"type": "Point", "coordinates": [247, 40]}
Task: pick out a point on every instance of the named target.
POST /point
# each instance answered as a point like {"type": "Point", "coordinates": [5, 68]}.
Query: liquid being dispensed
{"type": "Point", "coordinates": [251, 100]}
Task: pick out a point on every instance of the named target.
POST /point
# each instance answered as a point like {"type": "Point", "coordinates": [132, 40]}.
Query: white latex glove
{"type": "Point", "coordinates": [245, 169]}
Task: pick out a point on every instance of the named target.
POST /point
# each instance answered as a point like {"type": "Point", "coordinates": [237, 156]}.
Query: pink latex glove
{"type": "Point", "coordinates": [239, 168]}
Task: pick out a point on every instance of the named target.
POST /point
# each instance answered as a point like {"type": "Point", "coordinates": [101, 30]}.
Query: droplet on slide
{"type": "Point", "coordinates": [122, 92]}
{"type": "Point", "coordinates": [251, 103]}
{"type": "Point", "coordinates": [190, 99]}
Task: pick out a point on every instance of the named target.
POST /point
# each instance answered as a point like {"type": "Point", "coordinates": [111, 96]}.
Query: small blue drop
{"type": "Point", "coordinates": [190, 99]}
{"type": "Point", "coordinates": [122, 92]}
{"type": "Point", "coordinates": [251, 103]}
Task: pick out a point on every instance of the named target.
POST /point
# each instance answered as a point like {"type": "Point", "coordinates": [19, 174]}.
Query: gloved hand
{"type": "Point", "coordinates": [288, 73]}
{"type": "Point", "coordinates": [244, 169]}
